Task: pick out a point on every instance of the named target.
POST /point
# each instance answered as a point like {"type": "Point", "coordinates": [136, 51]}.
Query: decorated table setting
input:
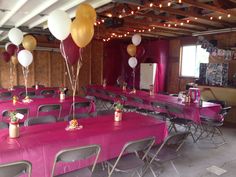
{"type": "Point", "coordinates": [51, 138]}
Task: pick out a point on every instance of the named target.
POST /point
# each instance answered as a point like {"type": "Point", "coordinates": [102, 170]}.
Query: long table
{"type": "Point", "coordinates": [40, 143]}
{"type": "Point", "coordinates": [191, 111]}
{"type": "Point", "coordinates": [33, 106]}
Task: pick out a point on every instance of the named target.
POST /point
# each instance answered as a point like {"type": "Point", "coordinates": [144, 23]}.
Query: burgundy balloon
{"type": "Point", "coordinates": [11, 49]}
{"type": "Point", "coordinates": [69, 50]}
{"type": "Point", "coordinates": [5, 56]}
{"type": "Point", "coordinates": [140, 52]}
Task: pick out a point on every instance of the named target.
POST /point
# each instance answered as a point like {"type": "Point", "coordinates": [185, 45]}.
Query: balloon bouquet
{"type": "Point", "coordinates": [73, 36]}
{"type": "Point", "coordinates": [131, 49]}
{"type": "Point", "coordinates": [25, 57]}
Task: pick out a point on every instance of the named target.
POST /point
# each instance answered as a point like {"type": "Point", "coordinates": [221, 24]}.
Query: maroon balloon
{"type": "Point", "coordinates": [140, 52]}
{"type": "Point", "coordinates": [5, 56]}
{"type": "Point", "coordinates": [69, 50]}
{"type": "Point", "coordinates": [11, 49]}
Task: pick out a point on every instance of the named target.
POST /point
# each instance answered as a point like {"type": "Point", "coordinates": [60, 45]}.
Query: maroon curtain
{"type": "Point", "coordinates": [149, 51]}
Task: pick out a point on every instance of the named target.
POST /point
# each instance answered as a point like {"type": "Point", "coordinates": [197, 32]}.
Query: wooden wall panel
{"type": "Point", "coordinates": [57, 69]}
{"type": "Point", "coordinates": [42, 65]}
{"type": "Point", "coordinates": [97, 62]}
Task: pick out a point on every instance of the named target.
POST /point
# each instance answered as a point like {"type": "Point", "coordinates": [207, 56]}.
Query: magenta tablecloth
{"type": "Point", "coordinates": [33, 106]}
{"type": "Point", "coordinates": [18, 91]}
{"type": "Point", "coordinates": [51, 138]}
{"type": "Point", "coordinates": [191, 111]}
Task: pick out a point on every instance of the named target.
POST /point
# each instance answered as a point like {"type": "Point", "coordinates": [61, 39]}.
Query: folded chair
{"type": "Point", "coordinates": [76, 154]}
{"type": "Point", "coordinates": [129, 160]}
{"type": "Point", "coordinates": [167, 151]}
{"type": "Point", "coordinates": [40, 120]}
{"type": "Point", "coordinates": [16, 169]}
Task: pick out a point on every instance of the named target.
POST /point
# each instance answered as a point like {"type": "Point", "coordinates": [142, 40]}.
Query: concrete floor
{"type": "Point", "coordinates": [196, 157]}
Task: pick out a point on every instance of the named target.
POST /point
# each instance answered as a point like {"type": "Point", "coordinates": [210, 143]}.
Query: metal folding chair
{"type": "Point", "coordinates": [16, 168]}
{"type": "Point", "coordinates": [79, 105]}
{"type": "Point", "coordinates": [160, 110]}
{"type": "Point", "coordinates": [76, 154]}
{"type": "Point", "coordinates": [49, 109]}
{"type": "Point", "coordinates": [39, 120]}
{"type": "Point", "coordinates": [167, 151]}
{"type": "Point", "coordinates": [129, 160]}
{"type": "Point", "coordinates": [5, 95]}
{"type": "Point", "coordinates": [24, 111]}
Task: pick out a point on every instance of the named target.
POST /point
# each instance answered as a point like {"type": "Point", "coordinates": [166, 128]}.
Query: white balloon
{"type": "Point", "coordinates": [59, 24]}
{"type": "Point", "coordinates": [15, 36]}
{"type": "Point", "coordinates": [7, 44]}
{"type": "Point", "coordinates": [136, 39]}
{"type": "Point", "coordinates": [25, 58]}
{"type": "Point", "coordinates": [132, 62]}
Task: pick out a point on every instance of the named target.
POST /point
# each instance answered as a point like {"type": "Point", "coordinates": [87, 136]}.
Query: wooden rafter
{"type": "Point", "coordinates": [209, 7]}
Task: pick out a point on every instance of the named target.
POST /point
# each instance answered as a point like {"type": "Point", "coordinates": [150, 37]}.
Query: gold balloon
{"type": "Point", "coordinates": [82, 31]}
{"type": "Point", "coordinates": [14, 60]}
{"type": "Point", "coordinates": [131, 49]}
{"type": "Point", "coordinates": [86, 11]}
{"type": "Point", "coordinates": [29, 42]}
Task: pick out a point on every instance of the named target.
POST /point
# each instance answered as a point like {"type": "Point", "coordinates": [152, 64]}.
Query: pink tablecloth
{"type": "Point", "coordinates": [33, 106]}
{"type": "Point", "coordinates": [18, 91]}
{"type": "Point", "coordinates": [191, 111]}
{"type": "Point", "coordinates": [51, 138]}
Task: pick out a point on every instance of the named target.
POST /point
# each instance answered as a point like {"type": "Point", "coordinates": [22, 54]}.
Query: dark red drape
{"type": "Point", "coordinates": [150, 51]}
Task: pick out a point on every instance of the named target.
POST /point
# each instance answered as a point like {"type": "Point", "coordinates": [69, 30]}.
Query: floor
{"type": "Point", "coordinates": [196, 158]}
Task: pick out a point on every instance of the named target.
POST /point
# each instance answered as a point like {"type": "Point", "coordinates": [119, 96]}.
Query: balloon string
{"type": "Point", "coordinates": [133, 78]}
{"type": "Point", "coordinates": [67, 65]}
{"type": "Point", "coordinates": [25, 74]}
{"type": "Point", "coordinates": [79, 65]}
{"type": "Point", "coordinates": [11, 75]}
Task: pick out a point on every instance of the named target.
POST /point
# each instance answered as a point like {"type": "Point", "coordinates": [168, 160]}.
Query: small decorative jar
{"type": "Point", "coordinates": [104, 84]}
{"type": "Point", "coordinates": [14, 130]}
{"type": "Point", "coordinates": [14, 99]}
{"type": "Point", "coordinates": [62, 96]}
{"type": "Point", "coordinates": [151, 90]}
{"type": "Point", "coordinates": [118, 115]}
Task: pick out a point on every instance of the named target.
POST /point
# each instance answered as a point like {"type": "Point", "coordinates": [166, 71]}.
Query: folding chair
{"type": "Point", "coordinates": [167, 151]}
{"type": "Point", "coordinates": [5, 95]}
{"type": "Point", "coordinates": [79, 105]}
{"type": "Point", "coordinates": [50, 109]}
{"type": "Point", "coordinates": [24, 111]}
{"type": "Point", "coordinates": [211, 127]}
{"type": "Point", "coordinates": [160, 110]}
{"type": "Point", "coordinates": [140, 101]}
{"type": "Point", "coordinates": [31, 94]}
{"type": "Point", "coordinates": [39, 120]}
{"type": "Point", "coordinates": [76, 154]}
{"type": "Point", "coordinates": [3, 125]}
{"type": "Point", "coordinates": [16, 168]}
{"type": "Point", "coordinates": [48, 93]}
{"type": "Point", "coordinates": [129, 161]}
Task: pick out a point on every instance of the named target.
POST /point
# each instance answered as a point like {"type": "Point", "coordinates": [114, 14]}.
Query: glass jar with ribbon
{"type": "Point", "coordinates": [14, 128]}
{"type": "Point", "coordinates": [118, 111]}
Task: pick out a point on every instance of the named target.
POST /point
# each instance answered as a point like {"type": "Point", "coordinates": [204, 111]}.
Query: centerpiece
{"type": "Point", "coordinates": [14, 124]}
{"type": "Point", "coordinates": [62, 93]}
{"type": "Point", "coordinates": [118, 111]}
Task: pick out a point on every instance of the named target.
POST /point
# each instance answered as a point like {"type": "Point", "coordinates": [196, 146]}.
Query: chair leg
{"type": "Point", "coordinates": [177, 172]}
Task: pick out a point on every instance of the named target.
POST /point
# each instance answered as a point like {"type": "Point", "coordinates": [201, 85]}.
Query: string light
{"type": "Point", "coordinates": [99, 22]}
{"type": "Point", "coordinates": [139, 31]}
{"type": "Point", "coordinates": [169, 4]}
{"type": "Point", "coordinates": [138, 8]}
{"type": "Point", "coordinates": [188, 21]}
{"type": "Point", "coordinates": [120, 16]}
{"type": "Point", "coordinates": [151, 4]}
{"type": "Point", "coordinates": [169, 25]}
{"type": "Point", "coordinates": [149, 29]}
{"type": "Point", "coordinates": [125, 35]}
{"type": "Point", "coordinates": [220, 17]}
{"type": "Point", "coordinates": [195, 18]}
{"type": "Point", "coordinates": [109, 15]}
{"type": "Point", "coordinates": [132, 12]}
{"type": "Point", "coordinates": [160, 5]}
{"type": "Point", "coordinates": [95, 24]}
{"type": "Point", "coordinates": [211, 18]}
{"type": "Point", "coordinates": [143, 30]}
{"type": "Point", "coordinates": [128, 32]}
{"type": "Point", "coordinates": [180, 1]}
{"type": "Point", "coordinates": [164, 24]}
{"type": "Point", "coordinates": [181, 23]}
{"type": "Point", "coordinates": [103, 21]}
{"type": "Point", "coordinates": [134, 30]}
{"type": "Point", "coordinates": [153, 27]}
{"type": "Point", "coordinates": [228, 15]}
{"type": "Point", "coordinates": [175, 24]}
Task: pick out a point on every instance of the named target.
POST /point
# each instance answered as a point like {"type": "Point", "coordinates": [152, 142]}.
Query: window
{"type": "Point", "coordinates": [192, 56]}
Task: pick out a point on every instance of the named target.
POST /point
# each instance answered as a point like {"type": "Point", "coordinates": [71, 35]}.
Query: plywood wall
{"type": "Point", "coordinates": [48, 68]}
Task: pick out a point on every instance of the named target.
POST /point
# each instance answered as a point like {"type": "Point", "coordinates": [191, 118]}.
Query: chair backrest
{"type": "Point", "coordinates": [50, 108]}
{"type": "Point", "coordinates": [158, 105]}
{"type": "Point", "coordinates": [111, 95]}
{"type": "Point", "coordinates": [77, 116]}
{"type": "Point", "coordinates": [137, 100]}
{"type": "Point", "coordinates": [3, 125]}
{"type": "Point", "coordinates": [47, 92]}
{"type": "Point", "coordinates": [76, 154]}
{"type": "Point", "coordinates": [175, 110]}
{"type": "Point", "coordinates": [134, 147]}
{"type": "Point", "coordinates": [15, 168]}
{"type": "Point", "coordinates": [30, 94]}
{"type": "Point", "coordinates": [5, 95]}
{"type": "Point", "coordinates": [24, 111]}
{"type": "Point", "coordinates": [78, 105]}
{"type": "Point", "coordinates": [39, 120]}
{"type": "Point", "coordinates": [123, 98]}
{"type": "Point", "coordinates": [103, 113]}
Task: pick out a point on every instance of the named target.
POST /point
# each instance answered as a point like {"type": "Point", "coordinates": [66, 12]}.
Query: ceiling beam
{"type": "Point", "coordinates": [191, 14]}
{"type": "Point", "coordinates": [15, 8]}
{"type": "Point", "coordinates": [209, 7]}
{"type": "Point", "coordinates": [35, 12]}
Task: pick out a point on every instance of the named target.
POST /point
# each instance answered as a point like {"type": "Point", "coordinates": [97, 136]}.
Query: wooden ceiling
{"type": "Point", "coordinates": [164, 18]}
